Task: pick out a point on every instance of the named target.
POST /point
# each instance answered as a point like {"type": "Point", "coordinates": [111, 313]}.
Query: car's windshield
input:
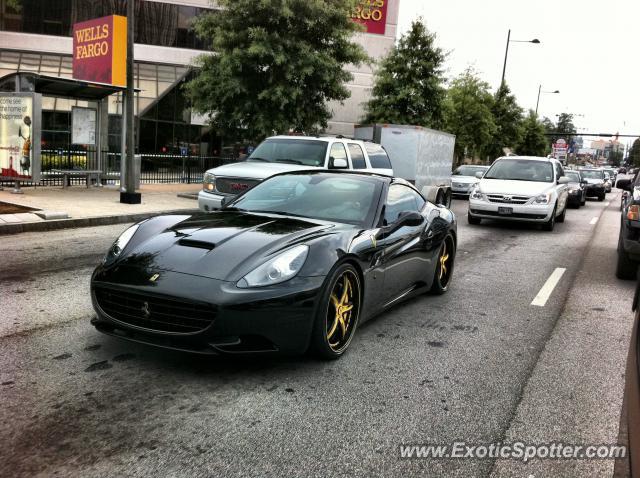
{"type": "Point", "coordinates": [307, 152]}
{"type": "Point", "coordinates": [592, 173]}
{"type": "Point", "coordinates": [469, 170]}
{"type": "Point", "coordinates": [521, 170]}
{"type": "Point", "coordinates": [330, 197]}
{"type": "Point", "coordinates": [573, 176]}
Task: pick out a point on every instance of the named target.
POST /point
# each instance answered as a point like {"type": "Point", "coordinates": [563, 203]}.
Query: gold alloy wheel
{"type": "Point", "coordinates": [342, 313]}
{"type": "Point", "coordinates": [445, 262]}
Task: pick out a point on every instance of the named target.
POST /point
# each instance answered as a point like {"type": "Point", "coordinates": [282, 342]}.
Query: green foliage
{"type": "Point", "coordinates": [276, 65]}
{"type": "Point", "coordinates": [634, 153]}
{"type": "Point", "coordinates": [507, 116]}
{"type": "Point", "coordinates": [408, 86]}
{"type": "Point", "coordinates": [533, 141]}
{"type": "Point", "coordinates": [615, 157]}
{"type": "Point", "coordinates": [468, 115]}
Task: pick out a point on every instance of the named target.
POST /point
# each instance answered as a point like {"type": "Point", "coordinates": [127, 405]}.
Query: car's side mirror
{"type": "Point", "coordinates": [225, 200]}
{"type": "Point", "coordinates": [408, 218]}
{"type": "Point", "coordinates": [624, 184]}
{"type": "Point", "coordinates": [563, 180]}
{"type": "Point", "coordinates": [479, 174]}
{"type": "Point", "coordinates": [338, 163]}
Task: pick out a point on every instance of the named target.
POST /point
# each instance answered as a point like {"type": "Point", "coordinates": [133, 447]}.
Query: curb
{"type": "Point", "coordinates": [54, 225]}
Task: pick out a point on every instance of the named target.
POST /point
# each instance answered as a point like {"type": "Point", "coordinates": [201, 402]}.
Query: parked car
{"type": "Point", "coordinates": [280, 154]}
{"type": "Point", "coordinates": [629, 236]}
{"type": "Point", "coordinates": [521, 188]}
{"type": "Point", "coordinates": [612, 177]}
{"type": "Point", "coordinates": [464, 178]}
{"type": "Point", "coordinates": [595, 182]}
{"type": "Point", "coordinates": [577, 188]}
{"type": "Point", "coordinates": [295, 263]}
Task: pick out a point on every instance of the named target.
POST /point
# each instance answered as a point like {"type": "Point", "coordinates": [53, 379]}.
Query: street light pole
{"type": "Point", "coordinates": [506, 52]}
{"type": "Point", "coordinates": [540, 91]}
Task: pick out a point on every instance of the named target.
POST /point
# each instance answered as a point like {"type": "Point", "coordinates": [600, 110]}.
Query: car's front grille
{"type": "Point", "coordinates": [234, 185]}
{"type": "Point", "coordinates": [506, 199]}
{"type": "Point", "coordinates": [155, 313]}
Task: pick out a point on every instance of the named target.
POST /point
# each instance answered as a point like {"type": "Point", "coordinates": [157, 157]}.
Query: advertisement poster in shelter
{"type": "Point", "coordinates": [20, 115]}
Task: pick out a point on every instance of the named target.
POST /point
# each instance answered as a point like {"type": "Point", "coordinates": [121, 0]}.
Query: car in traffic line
{"type": "Point", "coordinates": [629, 235]}
{"type": "Point", "coordinates": [465, 177]}
{"type": "Point", "coordinates": [577, 188]}
{"type": "Point", "coordinates": [595, 182]}
{"type": "Point", "coordinates": [279, 154]}
{"type": "Point", "coordinates": [612, 177]}
{"type": "Point", "coordinates": [295, 263]}
{"type": "Point", "coordinates": [521, 188]}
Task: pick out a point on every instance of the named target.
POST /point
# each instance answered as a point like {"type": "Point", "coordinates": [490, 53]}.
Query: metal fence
{"type": "Point", "coordinates": [154, 168]}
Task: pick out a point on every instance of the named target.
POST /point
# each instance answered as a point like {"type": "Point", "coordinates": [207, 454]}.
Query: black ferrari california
{"type": "Point", "coordinates": [295, 263]}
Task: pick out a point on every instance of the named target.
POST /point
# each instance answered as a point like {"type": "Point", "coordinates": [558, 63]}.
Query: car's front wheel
{"type": "Point", "coordinates": [444, 266]}
{"type": "Point", "coordinates": [338, 313]}
{"type": "Point", "coordinates": [551, 223]}
{"type": "Point", "coordinates": [561, 217]}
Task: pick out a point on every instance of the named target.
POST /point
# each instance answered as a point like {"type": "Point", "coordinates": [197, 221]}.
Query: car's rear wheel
{"type": "Point", "coordinates": [444, 266]}
{"type": "Point", "coordinates": [551, 223]}
{"type": "Point", "coordinates": [338, 313]}
{"type": "Point", "coordinates": [473, 220]}
{"type": "Point", "coordinates": [626, 269]}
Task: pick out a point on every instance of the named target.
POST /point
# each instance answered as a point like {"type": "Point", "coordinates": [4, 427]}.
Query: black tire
{"type": "Point", "coordinates": [440, 199]}
{"type": "Point", "coordinates": [626, 269]}
{"type": "Point", "coordinates": [601, 197]}
{"type": "Point", "coordinates": [329, 341]}
{"type": "Point", "coordinates": [551, 223]}
{"type": "Point", "coordinates": [561, 217]}
{"type": "Point", "coordinates": [584, 200]}
{"type": "Point", "coordinates": [444, 266]}
{"type": "Point", "coordinates": [473, 220]}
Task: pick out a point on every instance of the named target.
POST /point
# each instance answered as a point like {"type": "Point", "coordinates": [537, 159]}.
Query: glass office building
{"type": "Point", "coordinates": [36, 37]}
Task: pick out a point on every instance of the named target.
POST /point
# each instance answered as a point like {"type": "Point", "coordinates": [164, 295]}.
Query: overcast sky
{"type": "Point", "coordinates": [589, 51]}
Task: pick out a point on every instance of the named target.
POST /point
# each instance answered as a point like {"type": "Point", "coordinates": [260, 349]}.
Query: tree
{"type": "Point", "coordinates": [565, 125]}
{"type": "Point", "coordinates": [408, 86]}
{"type": "Point", "coordinates": [276, 65]}
{"type": "Point", "coordinates": [533, 141]}
{"type": "Point", "coordinates": [468, 115]}
{"type": "Point", "coordinates": [507, 116]}
{"type": "Point", "coordinates": [634, 153]}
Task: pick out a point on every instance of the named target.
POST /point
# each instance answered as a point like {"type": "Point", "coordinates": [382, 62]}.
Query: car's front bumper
{"type": "Point", "coordinates": [210, 201]}
{"type": "Point", "coordinates": [462, 189]}
{"type": "Point", "coordinates": [593, 190]}
{"type": "Point", "coordinates": [520, 212]}
{"type": "Point", "coordinates": [267, 319]}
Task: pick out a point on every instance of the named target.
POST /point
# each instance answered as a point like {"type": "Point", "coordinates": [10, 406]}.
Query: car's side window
{"type": "Point", "coordinates": [377, 156]}
{"type": "Point", "coordinates": [559, 171]}
{"type": "Point", "coordinates": [357, 156]}
{"type": "Point", "coordinates": [401, 198]}
{"type": "Point", "coordinates": [338, 152]}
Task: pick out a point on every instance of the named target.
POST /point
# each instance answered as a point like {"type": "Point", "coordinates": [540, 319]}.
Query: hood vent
{"type": "Point", "coordinates": [197, 244]}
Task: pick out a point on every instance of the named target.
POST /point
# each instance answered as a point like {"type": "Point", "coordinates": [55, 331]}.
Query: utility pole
{"type": "Point", "coordinates": [130, 196]}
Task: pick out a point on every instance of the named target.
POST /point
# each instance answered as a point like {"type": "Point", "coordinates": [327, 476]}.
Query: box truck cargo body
{"type": "Point", "coordinates": [420, 155]}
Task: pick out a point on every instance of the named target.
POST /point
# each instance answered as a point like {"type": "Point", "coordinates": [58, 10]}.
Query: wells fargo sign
{"type": "Point", "coordinates": [100, 50]}
{"type": "Point", "coordinates": [372, 14]}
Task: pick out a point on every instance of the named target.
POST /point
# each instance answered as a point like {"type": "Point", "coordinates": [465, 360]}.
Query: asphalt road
{"type": "Point", "coordinates": [479, 364]}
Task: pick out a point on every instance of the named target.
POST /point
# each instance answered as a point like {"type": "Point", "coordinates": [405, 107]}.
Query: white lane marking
{"type": "Point", "coordinates": [541, 299]}
{"type": "Point", "coordinates": [593, 221]}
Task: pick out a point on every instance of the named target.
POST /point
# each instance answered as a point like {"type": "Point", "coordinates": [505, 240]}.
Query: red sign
{"type": "Point", "coordinates": [100, 50]}
{"type": "Point", "coordinates": [372, 14]}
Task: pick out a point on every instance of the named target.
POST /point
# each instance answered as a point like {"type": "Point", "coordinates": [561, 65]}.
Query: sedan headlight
{"type": "Point", "coordinates": [279, 269]}
{"type": "Point", "coordinates": [123, 240]}
{"type": "Point", "coordinates": [209, 182]}
{"type": "Point", "coordinates": [475, 193]}
{"type": "Point", "coordinates": [543, 199]}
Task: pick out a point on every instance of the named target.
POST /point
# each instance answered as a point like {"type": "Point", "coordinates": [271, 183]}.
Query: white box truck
{"type": "Point", "coordinates": [420, 155]}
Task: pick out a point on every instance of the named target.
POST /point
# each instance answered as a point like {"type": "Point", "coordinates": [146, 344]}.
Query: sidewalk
{"type": "Point", "coordinates": [77, 206]}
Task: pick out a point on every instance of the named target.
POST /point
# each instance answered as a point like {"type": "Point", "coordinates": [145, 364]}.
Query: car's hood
{"type": "Point", "coordinates": [222, 245]}
{"type": "Point", "coordinates": [464, 179]}
{"type": "Point", "coordinates": [525, 188]}
{"type": "Point", "coordinates": [255, 169]}
{"type": "Point", "coordinates": [594, 181]}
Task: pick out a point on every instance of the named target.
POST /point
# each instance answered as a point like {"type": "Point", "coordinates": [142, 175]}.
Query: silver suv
{"type": "Point", "coordinates": [280, 154]}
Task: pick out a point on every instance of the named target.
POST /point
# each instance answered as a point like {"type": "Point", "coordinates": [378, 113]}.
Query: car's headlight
{"type": "Point", "coordinates": [279, 269]}
{"type": "Point", "coordinates": [475, 193]}
{"type": "Point", "coordinates": [123, 240]}
{"type": "Point", "coordinates": [543, 199]}
{"type": "Point", "coordinates": [209, 182]}
{"type": "Point", "coordinates": [573, 191]}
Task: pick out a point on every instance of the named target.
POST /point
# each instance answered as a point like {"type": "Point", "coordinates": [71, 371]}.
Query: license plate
{"type": "Point", "coordinates": [505, 210]}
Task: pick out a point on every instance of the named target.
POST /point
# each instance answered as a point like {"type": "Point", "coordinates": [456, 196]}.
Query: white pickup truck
{"type": "Point", "coordinates": [280, 154]}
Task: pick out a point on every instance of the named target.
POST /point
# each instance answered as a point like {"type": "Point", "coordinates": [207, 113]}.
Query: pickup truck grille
{"type": "Point", "coordinates": [235, 186]}
{"type": "Point", "coordinates": [507, 199]}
